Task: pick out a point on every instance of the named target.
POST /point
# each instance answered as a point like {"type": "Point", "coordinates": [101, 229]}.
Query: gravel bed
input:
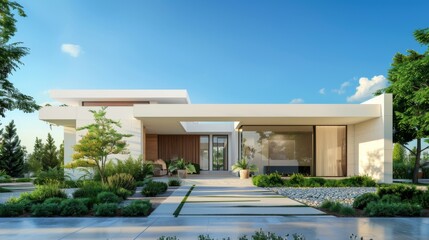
{"type": "Point", "coordinates": [315, 196]}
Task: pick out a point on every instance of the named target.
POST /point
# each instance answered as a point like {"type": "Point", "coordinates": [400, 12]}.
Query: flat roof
{"type": "Point", "coordinates": [75, 97]}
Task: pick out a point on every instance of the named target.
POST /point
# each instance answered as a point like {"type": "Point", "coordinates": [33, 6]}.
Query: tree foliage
{"type": "Point", "coordinates": [10, 59]}
{"type": "Point", "coordinates": [399, 153]}
{"type": "Point", "coordinates": [50, 154]}
{"type": "Point", "coordinates": [100, 141]}
{"type": "Point", "coordinates": [409, 84]}
{"type": "Point", "coordinates": [35, 159]}
{"type": "Point", "coordinates": [11, 153]}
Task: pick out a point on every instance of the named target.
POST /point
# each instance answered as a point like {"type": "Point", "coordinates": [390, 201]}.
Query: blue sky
{"type": "Point", "coordinates": [220, 51]}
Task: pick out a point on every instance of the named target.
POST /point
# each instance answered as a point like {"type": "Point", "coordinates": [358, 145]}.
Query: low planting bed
{"type": "Point", "coordinates": [354, 196]}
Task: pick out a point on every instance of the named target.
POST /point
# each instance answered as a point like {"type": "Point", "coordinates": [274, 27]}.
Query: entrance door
{"type": "Point", "coordinates": [220, 153]}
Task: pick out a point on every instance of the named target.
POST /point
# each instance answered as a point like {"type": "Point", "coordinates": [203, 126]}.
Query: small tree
{"type": "Point", "coordinates": [61, 154]}
{"type": "Point", "coordinates": [35, 159]}
{"type": "Point", "coordinates": [399, 153]}
{"type": "Point", "coordinates": [409, 84]}
{"type": "Point", "coordinates": [100, 141]}
{"type": "Point", "coordinates": [11, 153]}
{"type": "Point", "coordinates": [50, 154]}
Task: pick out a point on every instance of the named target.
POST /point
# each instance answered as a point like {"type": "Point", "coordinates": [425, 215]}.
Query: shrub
{"type": "Point", "coordinates": [333, 183]}
{"type": "Point", "coordinates": [359, 181]}
{"type": "Point", "coordinates": [122, 180]}
{"type": "Point", "coordinates": [53, 200]}
{"type": "Point", "coordinates": [88, 202]}
{"type": "Point", "coordinates": [45, 210]}
{"type": "Point", "coordinates": [73, 207]}
{"type": "Point", "coordinates": [137, 208]}
{"type": "Point", "coordinates": [271, 180]}
{"type": "Point", "coordinates": [335, 207]}
{"type": "Point", "coordinates": [123, 193]}
{"type": "Point", "coordinates": [174, 182]}
{"type": "Point", "coordinates": [405, 192]}
{"type": "Point", "coordinates": [402, 170]}
{"type": "Point", "coordinates": [297, 179]}
{"type": "Point", "coordinates": [90, 189]}
{"type": "Point", "coordinates": [347, 211]}
{"type": "Point", "coordinates": [380, 209]}
{"type": "Point", "coordinates": [105, 209]}
{"type": "Point", "coordinates": [327, 204]}
{"type": "Point", "coordinates": [138, 168]}
{"type": "Point", "coordinates": [24, 201]}
{"type": "Point", "coordinates": [52, 174]}
{"type": "Point", "coordinates": [154, 188]}
{"type": "Point", "coordinates": [11, 209]}
{"type": "Point", "coordinates": [389, 198]}
{"type": "Point", "coordinates": [107, 197]}
{"type": "Point", "coordinates": [424, 201]}
{"type": "Point", "coordinates": [362, 201]}
{"type": "Point", "coordinates": [314, 182]}
{"type": "Point", "coordinates": [71, 184]}
{"type": "Point", "coordinates": [44, 192]}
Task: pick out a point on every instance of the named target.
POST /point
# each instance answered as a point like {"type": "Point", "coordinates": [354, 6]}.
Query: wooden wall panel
{"type": "Point", "coordinates": [151, 147]}
{"type": "Point", "coordinates": [179, 146]}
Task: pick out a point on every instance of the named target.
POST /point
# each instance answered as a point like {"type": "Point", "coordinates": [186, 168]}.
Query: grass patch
{"type": "Point", "coordinates": [179, 208]}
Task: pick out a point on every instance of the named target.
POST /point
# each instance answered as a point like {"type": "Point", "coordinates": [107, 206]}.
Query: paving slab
{"type": "Point", "coordinates": [250, 211]}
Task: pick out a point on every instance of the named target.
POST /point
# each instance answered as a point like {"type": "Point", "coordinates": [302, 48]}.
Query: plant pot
{"type": "Point", "coordinates": [244, 174]}
{"type": "Point", "coordinates": [182, 173]}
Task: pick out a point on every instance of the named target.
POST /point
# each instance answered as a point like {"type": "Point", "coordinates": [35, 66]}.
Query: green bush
{"type": "Point", "coordinates": [297, 179]}
{"type": "Point", "coordinates": [327, 204]}
{"type": "Point", "coordinates": [333, 183]}
{"type": "Point", "coordinates": [424, 201]}
{"type": "Point", "coordinates": [154, 188]}
{"type": "Point", "coordinates": [380, 209]}
{"type": "Point", "coordinates": [405, 192]}
{"type": "Point", "coordinates": [389, 198]}
{"type": "Point", "coordinates": [363, 200]}
{"type": "Point", "coordinates": [336, 207]}
{"type": "Point", "coordinates": [11, 209]}
{"type": "Point", "coordinates": [24, 201]}
{"type": "Point", "coordinates": [71, 184]}
{"type": "Point", "coordinates": [53, 200]}
{"type": "Point", "coordinates": [314, 182]}
{"type": "Point", "coordinates": [107, 197]}
{"type": "Point", "coordinates": [402, 170]}
{"type": "Point", "coordinates": [271, 180]}
{"type": "Point", "coordinates": [73, 207]}
{"type": "Point", "coordinates": [45, 210]}
{"type": "Point", "coordinates": [44, 192]}
{"type": "Point", "coordinates": [52, 174]}
{"type": "Point", "coordinates": [137, 208]}
{"type": "Point", "coordinates": [123, 193]}
{"type": "Point", "coordinates": [359, 181]}
{"type": "Point", "coordinates": [347, 211]}
{"type": "Point", "coordinates": [122, 180]}
{"type": "Point", "coordinates": [88, 202]}
{"type": "Point", "coordinates": [174, 182]}
{"type": "Point", "coordinates": [90, 189]}
{"type": "Point", "coordinates": [138, 168]}
{"type": "Point", "coordinates": [105, 209]}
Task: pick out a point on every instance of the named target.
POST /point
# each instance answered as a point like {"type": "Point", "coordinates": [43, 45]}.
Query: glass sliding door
{"type": "Point", "coordinates": [204, 152]}
{"type": "Point", "coordinates": [331, 151]}
{"type": "Point", "coordinates": [220, 153]}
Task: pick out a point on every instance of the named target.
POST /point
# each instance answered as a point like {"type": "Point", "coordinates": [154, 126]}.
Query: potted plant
{"type": "Point", "coordinates": [181, 167]}
{"type": "Point", "coordinates": [244, 167]}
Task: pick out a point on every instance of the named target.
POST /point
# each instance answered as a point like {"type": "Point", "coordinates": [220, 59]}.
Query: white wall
{"type": "Point", "coordinates": [373, 144]}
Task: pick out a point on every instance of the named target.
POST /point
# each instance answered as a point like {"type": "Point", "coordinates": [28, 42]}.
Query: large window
{"type": "Point", "coordinates": [285, 149]}
{"type": "Point", "coordinates": [204, 152]}
{"type": "Point", "coordinates": [331, 151]}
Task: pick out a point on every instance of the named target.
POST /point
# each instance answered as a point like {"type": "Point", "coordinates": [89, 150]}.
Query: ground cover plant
{"type": "Point", "coordinates": [154, 188]}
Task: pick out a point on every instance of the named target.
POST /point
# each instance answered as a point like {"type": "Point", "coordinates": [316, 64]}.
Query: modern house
{"type": "Point", "coordinates": [326, 140]}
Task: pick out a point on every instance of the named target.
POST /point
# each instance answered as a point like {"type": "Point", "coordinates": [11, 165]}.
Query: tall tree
{"type": "Point", "coordinates": [399, 153]}
{"type": "Point", "coordinates": [11, 153]}
{"type": "Point", "coordinates": [36, 158]}
{"type": "Point", "coordinates": [50, 154]}
{"type": "Point", "coordinates": [409, 84]}
{"type": "Point", "coordinates": [61, 154]}
{"type": "Point", "coordinates": [100, 141]}
{"type": "Point", "coordinates": [10, 59]}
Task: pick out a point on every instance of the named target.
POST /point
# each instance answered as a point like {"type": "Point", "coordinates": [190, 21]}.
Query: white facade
{"type": "Point", "coordinates": [169, 112]}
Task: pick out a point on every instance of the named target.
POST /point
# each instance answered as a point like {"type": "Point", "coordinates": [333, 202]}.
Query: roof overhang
{"type": "Point", "coordinates": [168, 118]}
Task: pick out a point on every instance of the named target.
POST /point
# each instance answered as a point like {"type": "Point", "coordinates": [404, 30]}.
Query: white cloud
{"type": "Point", "coordinates": [297, 101]}
{"type": "Point", "coordinates": [342, 88]}
{"type": "Point", "coordinates": [71, 49]}
{"type": "Point", "coordinates": [367, 88]}
{"type": "Point", "coordinates": [322, 91]}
